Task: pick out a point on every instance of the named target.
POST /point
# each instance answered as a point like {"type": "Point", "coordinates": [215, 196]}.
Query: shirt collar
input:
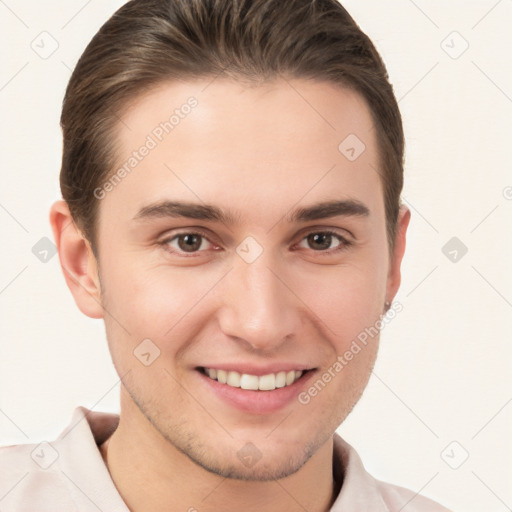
{"type": "Point", "coordinates": [359, 490]}
{"type": "Point", "coordinates": [82, 464]}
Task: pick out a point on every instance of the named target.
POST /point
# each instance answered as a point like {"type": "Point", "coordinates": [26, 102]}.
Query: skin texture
{"type": "Point", "coordinates": [261, 152]}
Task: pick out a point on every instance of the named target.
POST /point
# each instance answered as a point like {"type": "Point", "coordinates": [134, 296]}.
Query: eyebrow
{"type": "Point", "coordinates": [206, 212]}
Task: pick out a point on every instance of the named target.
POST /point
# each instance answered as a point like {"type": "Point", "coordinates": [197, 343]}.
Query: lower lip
{"type": "Point", "coordinates": [257, 402]}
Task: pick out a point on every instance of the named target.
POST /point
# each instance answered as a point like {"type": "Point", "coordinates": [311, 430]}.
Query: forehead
{"type": "Point", "coordinates": [257, 149]}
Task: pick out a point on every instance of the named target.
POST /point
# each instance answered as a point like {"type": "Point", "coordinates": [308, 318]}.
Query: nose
{"type": "Point", "coordinates": [257, 305]}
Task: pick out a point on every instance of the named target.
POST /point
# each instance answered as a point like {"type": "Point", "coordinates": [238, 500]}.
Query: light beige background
{"type": "Point", "coordinates": [443, 373]}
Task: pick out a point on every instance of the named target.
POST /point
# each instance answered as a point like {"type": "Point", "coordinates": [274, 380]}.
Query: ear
{"type": "Point", "coordinates": [394, 274]}
{"type": "Point", "coordinates": [77, 261]}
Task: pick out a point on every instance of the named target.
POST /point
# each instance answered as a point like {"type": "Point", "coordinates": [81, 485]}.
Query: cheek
{"type": "Point", "coordinates": [155, 302]}
{"type": "Point", "coordinates": [346, 299]}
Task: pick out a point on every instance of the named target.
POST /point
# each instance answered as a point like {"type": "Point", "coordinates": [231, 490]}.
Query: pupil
{"type": "Point", "coordinates": [189, 242]}
{"type": "Point", "coordinates": [318, 238]}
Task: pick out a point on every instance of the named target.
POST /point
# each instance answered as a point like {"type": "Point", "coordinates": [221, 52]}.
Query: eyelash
{"type": "Point", "coordinates": [344, 243]}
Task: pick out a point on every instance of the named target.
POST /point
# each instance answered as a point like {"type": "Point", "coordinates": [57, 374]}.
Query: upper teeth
{"type": "Point", "coordinates": [246, 381]}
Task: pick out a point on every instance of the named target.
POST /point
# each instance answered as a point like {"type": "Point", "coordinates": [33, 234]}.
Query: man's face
{"type": "Point", "coordinates": [263, 292]}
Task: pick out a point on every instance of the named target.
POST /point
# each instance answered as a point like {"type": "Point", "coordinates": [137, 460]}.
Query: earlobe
{"type": "Point", "coordinates": [77, 261]}
{"type": "Point", "coordinates": [394, 274]}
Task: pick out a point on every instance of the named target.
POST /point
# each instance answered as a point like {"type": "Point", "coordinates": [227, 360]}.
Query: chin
{"type": "Point", "coordinates": [256, 467]}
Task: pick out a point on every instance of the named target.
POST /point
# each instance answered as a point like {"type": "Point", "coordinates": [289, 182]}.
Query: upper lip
{"type": "Point", "coordinates": [251, 369]}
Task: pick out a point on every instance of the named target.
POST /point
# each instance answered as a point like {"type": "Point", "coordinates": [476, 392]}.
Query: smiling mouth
{"type": "Point", "coordinates": [267, 382]}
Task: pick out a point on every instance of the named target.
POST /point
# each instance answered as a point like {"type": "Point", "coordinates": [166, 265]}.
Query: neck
{"type": "Point", "coordinates": [155, 477]}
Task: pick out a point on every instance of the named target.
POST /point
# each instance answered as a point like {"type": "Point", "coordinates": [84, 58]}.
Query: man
{"type": "Point", "coordinates": [231, 183]}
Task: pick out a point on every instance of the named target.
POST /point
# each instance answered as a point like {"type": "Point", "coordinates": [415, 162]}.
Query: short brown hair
{"type": "Point", "coordinates": [147, 42]}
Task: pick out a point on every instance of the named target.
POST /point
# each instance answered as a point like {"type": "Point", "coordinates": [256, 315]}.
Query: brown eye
{"type": "Point", "coordinates": [186, 243]}
{"type": "Point", "coordinates": [325, 243]}
{"type": "Point", "coordinates": [189, 243]}
{"type": "Point", "coordinates": [320, 241]}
